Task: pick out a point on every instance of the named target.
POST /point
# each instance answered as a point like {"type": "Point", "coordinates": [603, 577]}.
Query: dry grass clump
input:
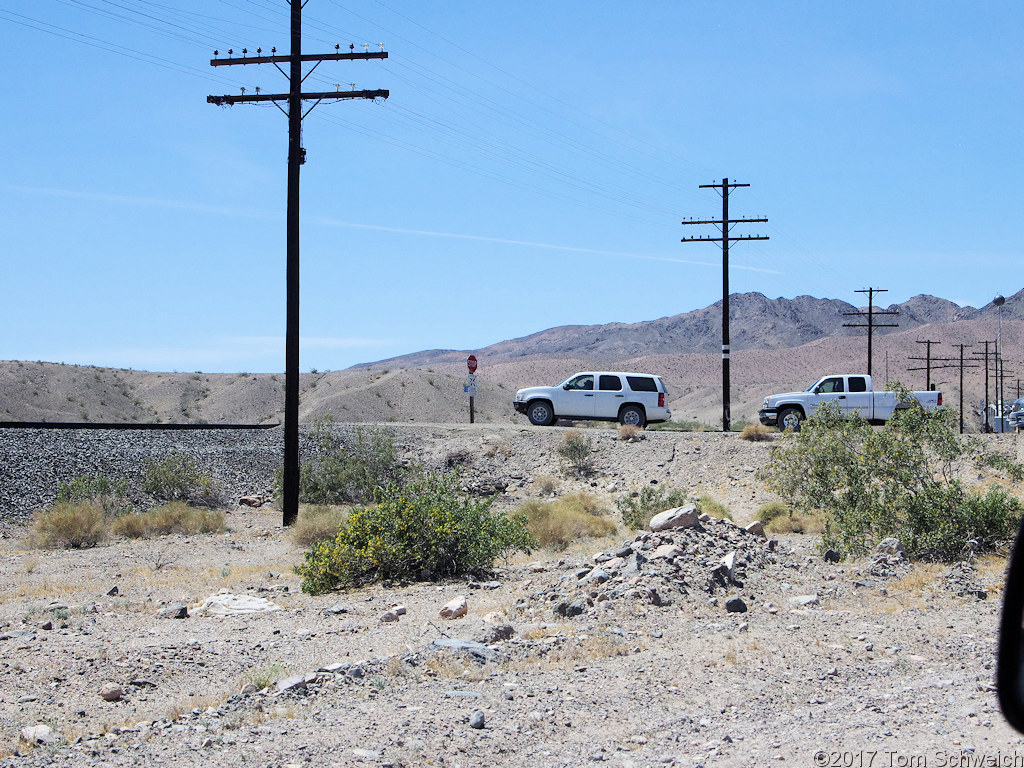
{"type": "Point", "coordinates": [69, 525]}
{"type": "Point", "coordinates": [317, 523]}
{"type": "Point", "coordinates": [630, 433]}
{"type": "Point", "coordinates": [779, 518]}
{"type": "Point", "coordinates": [547, 485]}
{"type": "Point", "coordinates": [756, 433]}
{"type": "Point", "coordinates": [558, 523]}
{"type": "Point", "coordinates": [710, 506]}
{"type": "Point", "coordinates": [175, 517]}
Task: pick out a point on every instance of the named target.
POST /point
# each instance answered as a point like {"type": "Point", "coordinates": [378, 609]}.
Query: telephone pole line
{"type": "Point", "coordinates": [962, 366]}
{"type": "Point", "coordinates": [725, 225]}
{"type": "Point", "coordinates": [928, 362]}
{"type": "Point", "coordinates": [988, 427]}
{"type": "Point", "coordinates": [870, 314]}
{"type": "Point", "coordinates": [296, 157]}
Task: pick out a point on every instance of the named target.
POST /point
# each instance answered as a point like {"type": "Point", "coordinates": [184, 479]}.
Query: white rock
{"type": "Point", "coordinates": [38, 734]}
{"type": "Point", "coordinates": [455, 609]}
{"type": "Point", "coordinates": [667, 552]}
{"type": "Point", "coordinates": [678, 517]}
{"type": "Point", "coordinates": [757, 529]}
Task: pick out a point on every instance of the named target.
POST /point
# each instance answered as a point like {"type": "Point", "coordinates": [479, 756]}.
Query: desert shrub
{"type": "Point", "coordinates": [773, 510]}
{"type": "Point", "coordinates": [316, 524]}
{"type": "Point", "coordinates": [575, 451]}
{"type": "Point", "coordinates": [556, 524]}
{"type": "Point", "coordinates": [681, 425]}
{"type": "Point", "coordinates": [756, 433]}
{"type": "Point", "coordinates": [424, 529]}
{"type": "Point", "coordinates": [710, 506]}
{"type": "Point", "coordinates": [899, 481]}
{"type": "Point", "coordinates": [69, 525]}
{"type": "Point", "coordinates": [173, 517]}
{"type": "Point", "coordinates": [547, 484]}
{"type": "Point", "coordinates": [639, 507]}
{"type": "Point", "coordinates": [111, 497]}
{"type": "Point", "coordinates": [630, 433]}
{"type": "Point", "coordinates": [777, 517]}
{"type": "Point", "coordinates": [338, 473]}
{"type": "Point", "coordinates": [177, 478]}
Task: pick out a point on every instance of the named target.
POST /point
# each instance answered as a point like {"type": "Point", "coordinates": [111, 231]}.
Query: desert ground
{"type": "Point", "coordinates": [605, 652]}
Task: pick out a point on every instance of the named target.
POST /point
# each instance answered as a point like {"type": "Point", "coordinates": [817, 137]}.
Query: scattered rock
{"type": "Point", "coordinates": [177, 611]}
{"type": "Point", "coordinates": [735, 605]}
{"type": "Point", "coordinates": [477, 720]}
{"type": "Point", "coordinates": [111, 692]}
{"type": "Point", "coordinates": [39, 734]}
{"type": "Point", "coordinates": [293, 683]}
{"type": "Point", "coordinates": [389, 616]}
{"type": "Point", "coordinates": [455, 609]}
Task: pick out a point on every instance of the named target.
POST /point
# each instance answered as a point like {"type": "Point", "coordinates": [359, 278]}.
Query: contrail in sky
{"type": "Point", "coordinates": [103, 197]}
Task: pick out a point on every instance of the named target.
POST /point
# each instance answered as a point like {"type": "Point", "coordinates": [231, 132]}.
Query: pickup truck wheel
{"type": "Point", "coordinates": [633, 416]}
{"type": "Point", "coordinates": [540, 413]}
{"type": "Point", "coordinates": [790, 418]}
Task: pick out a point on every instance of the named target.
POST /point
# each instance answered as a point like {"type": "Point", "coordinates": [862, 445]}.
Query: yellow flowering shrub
{"type": "Point", "coordinates": [424, 530]}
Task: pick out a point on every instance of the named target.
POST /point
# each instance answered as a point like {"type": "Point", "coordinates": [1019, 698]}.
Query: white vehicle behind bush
{"type": "Point", "coordinates": [636, 399]}
{"type": "Point", "coordinates": [852, 393]}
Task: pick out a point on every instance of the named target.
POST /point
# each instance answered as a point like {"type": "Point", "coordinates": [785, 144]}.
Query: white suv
{"type": "Point", "coordinates": [629, 398]}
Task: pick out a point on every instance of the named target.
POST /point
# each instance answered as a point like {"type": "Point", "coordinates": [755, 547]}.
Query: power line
{"type": "Point", "coordinates": [725, 225]}
{"type": "Point", "coordinates": [295, 98]}
{"type": "Point", "coordinates": [870, 314]}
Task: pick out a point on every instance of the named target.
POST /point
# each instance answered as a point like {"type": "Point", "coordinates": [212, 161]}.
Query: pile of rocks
{"type": "Point", "coordinates": [686, 555]}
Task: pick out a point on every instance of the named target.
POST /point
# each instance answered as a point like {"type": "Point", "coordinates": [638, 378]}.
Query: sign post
{"type": "Point", "coordinates": [470, 387]}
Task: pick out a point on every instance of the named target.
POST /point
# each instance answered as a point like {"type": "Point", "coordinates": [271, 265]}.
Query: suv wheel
{"type": "Point", "coordinates": [633, 415]}
{"type": "Point", "coordinates": [540, 413]}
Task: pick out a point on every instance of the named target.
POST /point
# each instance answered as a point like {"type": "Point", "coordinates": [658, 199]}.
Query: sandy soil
{"type": "Point", "coordinates": [894, 666]}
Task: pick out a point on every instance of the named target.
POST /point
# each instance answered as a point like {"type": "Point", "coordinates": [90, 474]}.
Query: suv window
{"type": "Point", "coordinates": [581, 382]}
{"type": "Point", "coordinates": [610, 383]}
{"type": "Point", "coordinates": [642, 384]}
{"type": "Point", "coordinates": [858, 384]}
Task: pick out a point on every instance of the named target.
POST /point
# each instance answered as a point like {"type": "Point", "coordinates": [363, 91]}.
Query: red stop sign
{"type": "Point", "coordinates": [471, 363]}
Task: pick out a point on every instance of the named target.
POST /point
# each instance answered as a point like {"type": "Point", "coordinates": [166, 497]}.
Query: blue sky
{"type": "Point", "coordinates": [530, 169]}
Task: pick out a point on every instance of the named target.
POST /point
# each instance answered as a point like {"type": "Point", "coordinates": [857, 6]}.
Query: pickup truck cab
{"type": "Point", "coordinates": [629, 398]}
{"type": "Point", "coordinates": [853, 393]}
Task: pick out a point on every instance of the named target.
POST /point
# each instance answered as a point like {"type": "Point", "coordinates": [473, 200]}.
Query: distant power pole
{"type": "Point", "coordinates": [725, 225]}
{"type": "Point", "coordinates": [962, 366]}
{"type": "Point", "coordinates": [871, 324]}
{"type": "Point", "coordinates": [296, 157]}
{"type": "Point", "coordinates": [988, 427]}
{"type": "Point", "coordinates": [928, 362]}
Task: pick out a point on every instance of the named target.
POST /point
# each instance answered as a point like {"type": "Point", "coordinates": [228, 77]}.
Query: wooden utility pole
{"type": "Point", "coordinates": [928, 359]}
{"type": "Point", "coordinates": [871, 324]}
{"type": "Point", "coordinates": [962, 366]}
{"type": "Point", "coordinates": [725, 225]}
{"type": "Point", "coordinates": [988, 427]}
{"type": "Point", "coordinates": [296, 157]}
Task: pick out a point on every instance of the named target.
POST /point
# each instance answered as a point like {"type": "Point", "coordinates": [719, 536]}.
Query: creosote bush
{"type": "Point", "coordinates": [347, 473]}
{"type": "Point", "coordinates": [174, 517]}
{"type": "Point", "coordinates": [575, 451]}
{"type": "Point", "coordinates": [639, 507]}
{"type": "Point", "coordinates": [556, 524]}
{"type": "Point", "coordinates": [899, 481]}
{"type": "Point", "coordinates": [425, 529]}
{"type": "Point", "coordinates": [177, 478]}
{"type": "Point", "coordinates": [111, 497]}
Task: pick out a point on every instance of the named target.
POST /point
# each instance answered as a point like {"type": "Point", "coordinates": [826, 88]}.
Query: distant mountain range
{"type": "Point", "coordinates": [778, 345]}
{"type": "Point", "coordinates": [756, 322]}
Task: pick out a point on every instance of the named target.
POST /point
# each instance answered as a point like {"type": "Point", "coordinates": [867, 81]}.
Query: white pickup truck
{"type": "Point", "coordinates": [853, 393]}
